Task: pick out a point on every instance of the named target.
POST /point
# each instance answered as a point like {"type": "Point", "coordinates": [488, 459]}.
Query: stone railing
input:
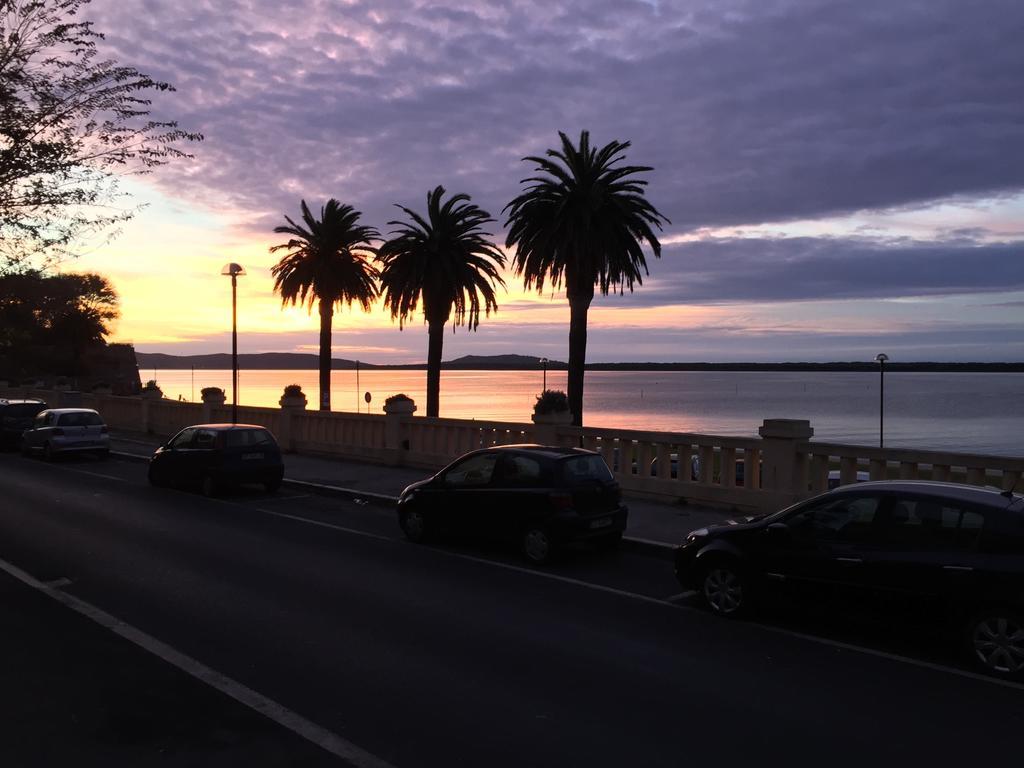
{"type": "Point", "coordinates": [762, 473]}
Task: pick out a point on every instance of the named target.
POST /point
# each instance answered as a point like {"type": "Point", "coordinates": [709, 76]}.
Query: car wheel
{"type": "Point", "coordinates": [103, 455]}
{"type": "Point", "coordinates": [995, 640]}
{"type": "Point", "coordinates": [48, 454]}
{"type": "Point", "coordinates": [210, 487]}
{"type": "Point", "coordinates": [610, 542]}
{"type": "Point", "coordinates": [414, 526]}
{"type": "Point", "coordinates": [156, 477]}
{"type": "Point", "coordinates": [271, 486]}
{"type": "Point", "coordinates": [26, 451]}
{"type": "Point", "coordinates": [724, 588]}
{"type": "Point", "coordinates": [538, 546]}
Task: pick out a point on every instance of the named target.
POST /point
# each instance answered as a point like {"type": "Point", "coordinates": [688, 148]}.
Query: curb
{"type": "Point", "coordinates": [658, 549]}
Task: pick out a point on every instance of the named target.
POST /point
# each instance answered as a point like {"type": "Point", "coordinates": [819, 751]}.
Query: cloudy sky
{"type": "Point", "coordinates": [842, 178]}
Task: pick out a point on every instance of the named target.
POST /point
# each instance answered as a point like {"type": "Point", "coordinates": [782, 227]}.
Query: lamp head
{"type": "Point", "coordinates": [233, 270]}
{"type": "Point", "coordinates": [881, 357]}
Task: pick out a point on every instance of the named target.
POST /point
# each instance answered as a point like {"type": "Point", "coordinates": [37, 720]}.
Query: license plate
{"type": "Point", "coordinates": [247, 456]}
{"type": "Point", "coordinates": [604, 522]}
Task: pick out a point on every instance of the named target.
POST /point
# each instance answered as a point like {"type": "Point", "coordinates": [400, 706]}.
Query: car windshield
{"type": "Point", "coordinates": [80, 419]}
{"type": "Point", "coordinates": [246, 438]}
{"type": "Point", "coordinates": [21, 410]}
{"type": "Point", "coordinates": [583, 470]}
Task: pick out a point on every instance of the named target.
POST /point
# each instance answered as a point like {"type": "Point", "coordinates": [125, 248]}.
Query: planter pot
{"type": "Point", "coordinates": [400, 408]}
{"type": "Point", "coordinates": [558, 418]}
{"type": "Point", "coordinates": [293, 401]}
{"type": "Point", "coordinates": [214, 399]}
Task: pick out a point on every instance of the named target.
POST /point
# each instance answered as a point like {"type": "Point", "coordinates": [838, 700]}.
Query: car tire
{"type": "Point", "coordinates": [48, 454]}
{"type": "Point", "coordinates": [26, 451]}
{"type": "Point", "coordinates": [209, 486]}
{"type": "Point", "coordinates": [414, 525]}
{"type": "Point", "coordinates": [610, 542]}
{"type": "Point", "coordinates": [156, 477]}
{"type": "Point", "coordinates": [103, 455]}
{"type": "Point", "coordinates": [272, 486]}
{"type": "Point", "coordinates": [994, 640]}
{"type": "Point", "coordinates": [538, 546]}
{"type": "Point", "coordinates": [724, 588]}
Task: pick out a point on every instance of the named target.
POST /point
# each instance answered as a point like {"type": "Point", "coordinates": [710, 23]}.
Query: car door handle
{"type": "Point", "coordinates": [957, 568]}
{"type": "Point", "coordinates": [851, 560]}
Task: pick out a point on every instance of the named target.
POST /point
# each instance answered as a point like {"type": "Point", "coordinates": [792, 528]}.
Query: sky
{"type": "Point", "coordinates": [842, 178]}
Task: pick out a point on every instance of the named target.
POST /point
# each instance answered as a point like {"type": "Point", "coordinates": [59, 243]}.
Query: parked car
{"type": "Point", "coordinates": [955, 551]}
{"type": "Point", "coordinates": [214, 457]}
{"type": "Point", "coordinates": [15, 417]}
{"type": "Point", "coordinates": [541, 497]}
{"type": "Point", "coordinates": [59, 431]}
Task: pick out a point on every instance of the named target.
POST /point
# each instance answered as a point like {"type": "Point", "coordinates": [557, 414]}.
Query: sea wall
{"type": "Point", "coordinates": [780, 466]}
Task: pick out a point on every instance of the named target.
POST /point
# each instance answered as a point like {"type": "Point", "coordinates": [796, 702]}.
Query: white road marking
{"type": "Point", "coordinates": [288, 498]}
{"type": "Point", "coordinates": [267, 707]}
{"type": "Point", "coordinates": [95, 474]}
{"type": "Point", "coordinates": [322, 524]}
{"type": "Point", "coordinates": [681, 596]}
{"type": "Point", "coordinates": [60, 583]}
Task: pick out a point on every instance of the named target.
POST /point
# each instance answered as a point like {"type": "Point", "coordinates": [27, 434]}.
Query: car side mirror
{"type": "Point", "coordinates": [778, 530]}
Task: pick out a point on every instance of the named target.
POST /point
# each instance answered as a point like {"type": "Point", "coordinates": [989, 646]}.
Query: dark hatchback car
{"type": "Point", "coordinates": [542, 498]}
{"type": "Point", "coordinates": [950, 551]}
{"type": "Point", "coordinates": [15, 417]}
{"type": "Point", "coordinates": [214, 457]}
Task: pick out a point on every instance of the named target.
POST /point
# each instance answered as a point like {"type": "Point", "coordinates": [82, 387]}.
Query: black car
{"type": "Point", "coordinates": [218, 456]}
{"type": "Point", "coordinates": [946, 550]}
{"type": "Point", "coordinates": [541, 497]}
{"type": "Point", "coordinates": [15, 417]}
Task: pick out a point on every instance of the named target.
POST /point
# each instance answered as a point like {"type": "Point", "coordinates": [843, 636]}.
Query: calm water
{"type": "Point", "coordinates": [976, 412]}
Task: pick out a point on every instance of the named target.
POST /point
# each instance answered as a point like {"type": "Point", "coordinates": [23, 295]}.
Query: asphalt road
{"type": "Point", "coordinates": [456, 656]}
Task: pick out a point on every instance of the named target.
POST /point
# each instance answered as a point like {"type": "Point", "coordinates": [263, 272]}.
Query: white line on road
{"type": "Point", "coordinates": [60, 583]}
{"type": "Point", "coordinates": [96, 474]}
{"type": "Point", "coordinates": [322, 524]}
{"type": "Point", "coordinates": [681, 596]}
{"type": "Point", "coordinates": [280, 714]}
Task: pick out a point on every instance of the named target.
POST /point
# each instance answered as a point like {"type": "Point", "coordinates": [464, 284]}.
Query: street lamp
{"type": "Point", "coordinates": [234, 271]}
{"type": "Point", "coordinates": [881, 358]}
{"type": "Point", "coordinates": [544, 362]}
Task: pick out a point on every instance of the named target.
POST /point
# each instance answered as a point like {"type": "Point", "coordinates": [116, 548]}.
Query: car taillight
{"type": "Point", "coordinates": [560, 500]}
{"type": "Point", "coordinates": [58, 432]}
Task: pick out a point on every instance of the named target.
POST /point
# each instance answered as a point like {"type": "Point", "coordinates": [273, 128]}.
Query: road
{"type": "Point", "coordinates": [456, 656]}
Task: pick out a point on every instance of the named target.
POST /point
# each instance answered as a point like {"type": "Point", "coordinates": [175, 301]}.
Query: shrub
{"type": "Point", "coordinates": [293, 390]}
{"type": "Point", "coordinates": [396, 398]}
{"type": "Point", "coordinates": [210, 391]}
{"type": "Point", "coordinates": [551, 401]}
{"type": "Point", "coordinates": [152, 386]}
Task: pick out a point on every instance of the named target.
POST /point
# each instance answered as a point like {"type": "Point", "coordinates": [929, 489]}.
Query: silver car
{"type": "Point", "coordinates": [66, 430]}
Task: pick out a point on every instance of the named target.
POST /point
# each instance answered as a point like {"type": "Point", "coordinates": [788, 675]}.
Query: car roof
{"type": "Point", "coordinates": [224, 427]}
{"type": "Point", "coordinates": [21, 401]}
{"type": "Point", "coordinates": [545, 451]}
{"type": "Point", "coordinates": [959, 492]}
{"type": "Point", "coordinates": [71, 410]}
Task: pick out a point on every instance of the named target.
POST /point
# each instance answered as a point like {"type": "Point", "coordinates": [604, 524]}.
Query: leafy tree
{"type": "Point", "coordinates": [326, 265]}
{"type": "Point", "coordinates": [581, 224]}
{"type": "Point", "coordinates": [71, 123]}
{"type": "Point", "coordinates": [445, 262]}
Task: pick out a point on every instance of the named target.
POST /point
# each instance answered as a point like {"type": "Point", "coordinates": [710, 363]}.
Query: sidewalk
{"type": "Point", "coordinates": [659, 524]}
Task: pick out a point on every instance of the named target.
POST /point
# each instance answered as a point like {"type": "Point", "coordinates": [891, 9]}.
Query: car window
{"type": "Point", "coordinates": [246, 438]}
{"type": "Point", "coordinates": [21, 410]}
{"type": "Point", "coordinates": [476, 470]}
{"type": "Point", "coordinates": [183, 438]}
{"type": "Point", "coordinates": [584, 470]}
{"type": "Point", "coordinates": [846, 519]}
{"type": "Point", "coordinates": [931, 525]}
{"type": "Point", "coordinates": [520, 471]}
{"type": "Point", "coordinates": [205, 438]}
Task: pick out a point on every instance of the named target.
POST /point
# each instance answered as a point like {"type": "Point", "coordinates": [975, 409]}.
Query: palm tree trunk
{"type": "Point", "coordinates": [578, 308]}
{"type": "Point", "coordinates": [326, 317]}
{"type": "Point", "coordinates": [435, 333]}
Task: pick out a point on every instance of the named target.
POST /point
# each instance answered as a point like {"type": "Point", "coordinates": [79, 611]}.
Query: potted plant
{"type": "Point", "coordinates": [552, 407]}
{"type": "Point", "coordinates": [151, 390]}
{"type": "Point", "coordinates": [400, 404]}
{"type": "Point", "coordinates": [293, 397]}
{"type": "Point", "coordinates": [213, 395]}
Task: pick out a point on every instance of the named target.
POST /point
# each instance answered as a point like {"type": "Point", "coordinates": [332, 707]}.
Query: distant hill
{"type": "Point", "coordinates": [274, 361]}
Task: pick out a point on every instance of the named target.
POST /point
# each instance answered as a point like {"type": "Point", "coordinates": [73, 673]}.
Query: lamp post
{"type": "Point", "coordinates": [544, 362]}
{"type": "Point", "coordinates": [881, 358]}
{"type": "Point", "coordinates": [234, 271]}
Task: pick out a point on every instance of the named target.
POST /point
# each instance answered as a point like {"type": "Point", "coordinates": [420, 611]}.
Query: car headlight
{"type": "Point", "coordinates": [700, 533]}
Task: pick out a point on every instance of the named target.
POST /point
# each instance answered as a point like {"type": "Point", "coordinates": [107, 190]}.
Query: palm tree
{"type": "Point", "coordinates": [581, 224]}
{"type": "Point", "coordinates": [446, 262]}
{"type": "Point", "coordinates": [326, 263]}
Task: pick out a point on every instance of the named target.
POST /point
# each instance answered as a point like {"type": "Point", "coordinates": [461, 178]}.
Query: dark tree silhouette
{"type": "Point", "coordinates": [446, 262]}
{"type": "Point", "coordinates": [71, 124]}
{"type": "Point", "coordinates": [326, 265]}
{"type": "Point", "coordinates": [581, 223]}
